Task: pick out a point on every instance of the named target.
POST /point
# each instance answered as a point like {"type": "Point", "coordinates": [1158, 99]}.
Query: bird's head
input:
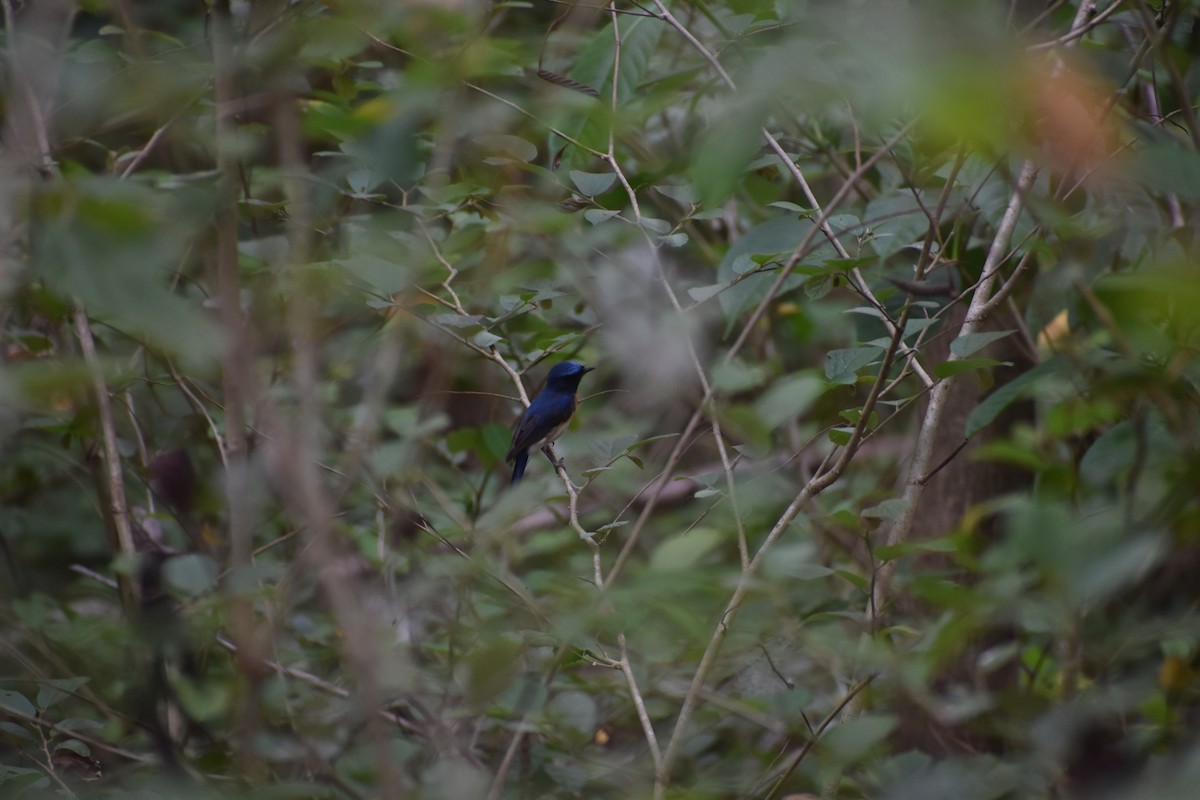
{"type": "Point", "coordinates": [566, 374]}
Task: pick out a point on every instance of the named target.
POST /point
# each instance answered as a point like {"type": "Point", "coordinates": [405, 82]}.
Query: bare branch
{"type": "Point", "coordinates": [118, 508]}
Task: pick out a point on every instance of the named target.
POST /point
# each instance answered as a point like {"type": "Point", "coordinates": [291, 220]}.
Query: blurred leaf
{"type": "Point", "coordinates": [51, 692]}
{"type": "Point", "coordinates": [1169, 168]}
{"type": "Point", "coordinates": [507, 149]}
{"type": "Point", "coordinates": [789, 397]}
{"type": "Point", "coordinates": [948, 369]}
{"type": "Point", "coordinates": [379, 275]}
{"type": "Point", "coordinates": [490, 669]}
{"type": "Point", "coordinates": [190, 574]}
{"type": "Point", "coordinates": [1021, 386]}
{"type": "Point", "coordinates": [18, 778]}
{"type": "Point", "coordinates": [575, 710]}
{"type": "Point", "coordinates": [726, 149]}
{"type": "Point", "coordinates": [890, 509]}
{"type": "Point", "coordinates": [14, 733]}
{"type": "Point", "coordinates": [853, 739]}
{"type": "Point", "coordinates": [892, 552]}
{"type": "Point", "coordinates": [683, 193]}
{"type": "Point", "coordinates": [738, 376]}
{"type": "Point", "coordinates": [702, 293]}
{"type": "Point", "coordinates": [964, 346]}
{"type": "Point", "coordinates": [681, 553]}
{"type": "Point", "coordinates": [496, 438]}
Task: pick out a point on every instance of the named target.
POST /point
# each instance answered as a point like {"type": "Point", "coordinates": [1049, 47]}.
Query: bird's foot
{"type": "Point", "coordinates": [557, 462]}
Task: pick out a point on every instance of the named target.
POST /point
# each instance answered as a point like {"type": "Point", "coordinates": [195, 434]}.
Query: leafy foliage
{"type": "Point", "coordinates": [884, 485]}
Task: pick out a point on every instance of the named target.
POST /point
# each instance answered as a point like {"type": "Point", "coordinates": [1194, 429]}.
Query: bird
{"type": "Point", "coordinates": [547, 416]}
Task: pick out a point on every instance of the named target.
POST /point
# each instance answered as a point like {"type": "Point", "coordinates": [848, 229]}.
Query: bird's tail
{"type": "Point", "coordinates": [519, 466]}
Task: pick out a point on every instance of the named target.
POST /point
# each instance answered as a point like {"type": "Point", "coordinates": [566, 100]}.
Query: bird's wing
{"type": "Point", "coordinates": [547, 412]}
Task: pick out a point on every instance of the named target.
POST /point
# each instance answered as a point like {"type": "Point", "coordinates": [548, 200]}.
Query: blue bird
{"type": "Point", "coordinates": [547, 416]}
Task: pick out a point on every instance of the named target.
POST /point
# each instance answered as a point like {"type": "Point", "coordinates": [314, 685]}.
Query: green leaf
{"type": "Point", "coordinates": [16, 779]}
{"type": "Point", "coordinates": [457, 320]}
{"type": "Point", "coordinates": [739, 376]}
{"type": "Point", "coordinates": [655, 225]}
{"type": "Point", "coordinates": [841, 436]}
{"type": "Point", "coordinates": [191, 574]}
{"type": "Point", "coordinates": [890, 509]}
{"type": "Point", "coordinates": [591, 184]}
{"type": "Point", "coordinates": [683, 193]}
{"type": "Point", "coordinates": [610, 449]}
{"type": "Point", "coordinates": [948, 544]}
{"type": "Point", "coordinates": [789, 397]}
{"type": "Point", "coordinates": [844, 265]}
{"type": "Point", "coordinates": [491, 667]}
{"type": "Point", "coordinates": [17, 702]}
{"type": "Point", "coordinates": [684, 552]}
{"type": "Point", "coordinates": [948, 369]}
{"type": "Point", "coordinates": [858, 581]}
{"type": "Point", "coordinates": [790, 206]}
{"type": "Point", "coordinates": [462, 440]}
{"type": "Point", "coordinates": [809, 572]}
{"type": "Point", "coordinates": [361, 181]}
{"type": "Point", "coordinates": [54, 691]}
{"type": "Point", "coordinates": [842, 366]}
{"type": "Point", "coordinates": [203, 700]}
{"type": "Point", "coordinates": [598, 215]}
{"type": "Point", "coordinates": [575, 710]}
{"type": "Point", "coordinates": [702, 293]}
{"type": "Point", "coordinates": [496, 439]}
{"type": "Point", "coordinates": [1169, 168]}
{"type": "Point", "coordinates": [853, 739]}
{"type": "Point", "coordinates": [964, 346]}
{"type": "Point", "coordinates": [914, 326]}
{"type": "Point", "coordinates": [506, 148]}
{"type": "Point", "coordinates": [818, 286]}
{"type": "Point", "coordinates": [378, 274]}
{"type": "Point", "coordinates": [1021, 386]}
{"type": "Point", "coordinates": [486, 339]}
{"type": "Point", "coordinates": [11, 730]}
{"type": "Point", "coordinates": [726, 149]}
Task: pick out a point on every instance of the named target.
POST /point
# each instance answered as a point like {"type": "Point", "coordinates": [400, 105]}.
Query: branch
{"type": "Point", "coordinates": [795, 759]}
{"type": "Point", "coordinates": [976, 313]}
{"type": "Point", "coordinates": [819, 482]}
{"type": "Point", "coordinates": [856, 275]}
{"type": "Point", "coordinates": [639, 704]}
{"type": "Point", "coordinates": [118, 508]}
{"type": "Point", "coordinates": [802, 247]}
{"type": "Point", "coordinates": [235, 371]}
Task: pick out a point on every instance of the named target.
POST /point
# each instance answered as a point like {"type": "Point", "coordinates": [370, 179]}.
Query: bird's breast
{"type": "Point", "coordinates": [550, 436]}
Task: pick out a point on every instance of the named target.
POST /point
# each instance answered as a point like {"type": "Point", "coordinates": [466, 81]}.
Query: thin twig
{"type": "Point", "coordinates": [977, 312]}
{"type": "Point", "coordinates": [856, 276]}
{"type": "Point", "coordinates": [639, 704]}
{"type": "Point", "coordinates": [819, 482]}
{"type": "Point", "coordinates": [118, 507]}
{"type": "Point", "coordinates": [797, 253]}
{"type": "Point", "coordinates": [147, 148]}
{"type": "Point", "coordinates": [1075, 34]}
{"type": "Point", "coordinates": [793, 762]}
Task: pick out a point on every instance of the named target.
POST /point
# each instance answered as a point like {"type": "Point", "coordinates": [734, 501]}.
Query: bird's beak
{"type": "Point", "coordinates": [586, 370]}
